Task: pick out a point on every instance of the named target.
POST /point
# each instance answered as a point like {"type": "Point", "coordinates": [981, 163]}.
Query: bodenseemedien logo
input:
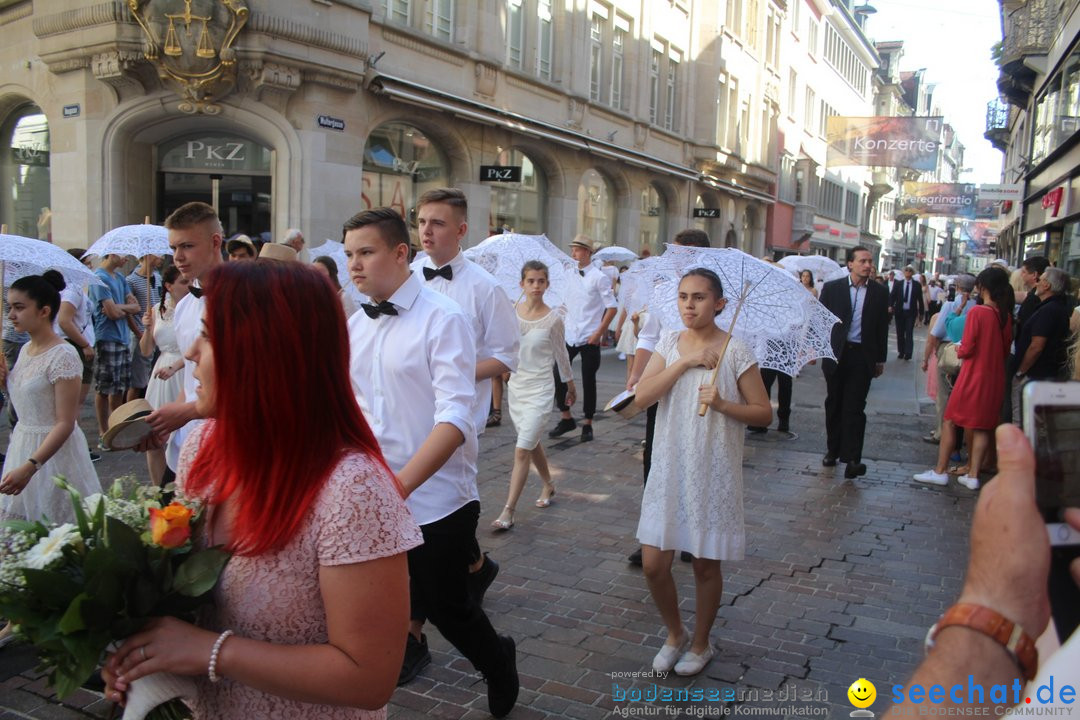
{"type": "Point", "coordinates": [862, 695]}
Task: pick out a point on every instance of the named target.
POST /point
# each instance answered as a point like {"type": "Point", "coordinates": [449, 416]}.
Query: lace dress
{"type": "Point", "coordinates": [532, 385]}
{"type": "Point", "coordinates": [158, 391]}
{"type": "Point", "coordinates": [276, 597]}
{"type": "Point", "coordinates": [694, 498]}
{"type": "Point", "coordinates": [31, 384]}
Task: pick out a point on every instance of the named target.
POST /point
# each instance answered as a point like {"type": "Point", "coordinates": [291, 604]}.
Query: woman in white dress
{"type": "Point", "coordinates": [532, 386]}
{"type": "Point", "coordinates": [165, 379]}
{"type": "Point", "coordinates": [693, 501]}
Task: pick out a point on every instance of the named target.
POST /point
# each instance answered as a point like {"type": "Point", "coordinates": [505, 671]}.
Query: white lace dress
{"type": "Point", "coordinates": [158, 391]}
{"type": "Point", "coordinates": [30, 384]}
{"type": "Point", "coordinates": [275, 597]}
{"type": "Point", "coordinates": [694, 497]}
{"type": "Point", "coordinates": [532, 386]}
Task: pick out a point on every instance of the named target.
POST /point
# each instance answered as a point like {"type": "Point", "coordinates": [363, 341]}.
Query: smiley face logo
{"type": "Point", "coordinates": [862, 693]}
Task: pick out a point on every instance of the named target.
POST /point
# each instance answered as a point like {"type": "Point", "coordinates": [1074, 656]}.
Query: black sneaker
{"type": "Point", "coordinates": [586, 433]}
{"type": "Point", "coordinates": [481, 580]}
{"type": "Point", "coordinates": [686, 557]}
{"type": "Point", "coordinates": [416, 657]}
{"type": "Point", "coordinates": [757, 429]}
{"type": "Point", "coordinates": [782, 426]}
{"type": "Point", "coordinates": [94, 457]}
{"type": "Point", "coordinates": [564, 426]}
{"type": "Point", "coordinates": [502, 689]}
{"type": "Point", "coordinates": [635, 558]}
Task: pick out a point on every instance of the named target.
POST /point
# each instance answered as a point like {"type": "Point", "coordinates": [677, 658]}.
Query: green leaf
{"type": "Point", "coordinates": [199, 573]}
{"type": "Point", "coordinates": [124, 542]}
{"type": "Point", "coordinates": [73, 618]}
{"type": "Point", "coordinates": [55, 590]}
{"type": "Point", "coordinates": [77, 503]}
{"type": "Point", "coordinates": [25, 526]}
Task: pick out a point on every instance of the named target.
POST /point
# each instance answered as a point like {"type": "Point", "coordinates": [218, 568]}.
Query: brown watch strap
{"type": "Point", "coordinates": [994, 625]}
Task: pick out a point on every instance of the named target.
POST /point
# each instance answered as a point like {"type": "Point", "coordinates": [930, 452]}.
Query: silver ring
{"type": "Point", "coordinates": [142, 649]}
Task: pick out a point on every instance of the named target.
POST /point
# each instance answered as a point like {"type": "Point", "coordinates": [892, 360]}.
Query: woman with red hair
{"type": "Point", "coordinates": [311, 610]}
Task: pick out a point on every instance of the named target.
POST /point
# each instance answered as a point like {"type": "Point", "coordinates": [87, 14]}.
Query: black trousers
{"type": "Point", "coordinates": [783, 392]}
{"type": "Point", "coordinates": [590, 364]}
{"type": "Point", "coordinates": [650, 430]}
{"type": "Point", "coordinates": [438, 588]}
{"type": "Point", "coordinates": [905, 331]}
{"type": "Point", "coordinates": [847, 384]}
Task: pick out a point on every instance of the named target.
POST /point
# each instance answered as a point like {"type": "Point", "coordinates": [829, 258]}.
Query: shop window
{"type": "Point", "coordinates": [400, 164]}
{"type": "Point", "coordinates": [653, 220]}
{"type": "Point", "coordinates": [24, 173]}
{"type": "Point", "coordinates": [518, 207]}
{"type": "Point", "coordinates": [707, 214]}
{"type": "Point", "coordinates": [596, 208]}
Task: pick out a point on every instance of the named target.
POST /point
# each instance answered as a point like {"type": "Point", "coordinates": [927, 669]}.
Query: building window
{"type": "Point", "coordinates": [809, 107]}
{"type": "Point", "coordinates": [518, 207]}
{"type": "Point", "coordinates": [851, 208]}
{"type": "Point", "coordinates": [792, 92]}
{"type": "Point", "coordinates": [734, 16]}
{"type": "Point", "coordinates": [786, 185]}
{"type": "Point", "coordinates": [440, 18]}
{"type": "Point", "coordinates": [653, 220]}
{"type": "Point", "coordinates": [732, 136]}
{"type": "Point", "coordinates": [618, 46]}
{"type": "Point", "coordinates": [596, 208]}
{"type": "Point", "coordinates": [400, 164]}
{"type": "Point", "coordinates": [515, 31]}
{"type": "Point", "coordinates": [654, 84]}
{"type": "Point", "coordinates": [796, 16]}
{"type": "Point", "coordinates": [844, 61]}
{"type": "Point", "coordinates": [24, 173]}
{"type": "Point", "coordinates": [596, 50]}
{"type": "Point", "coordinates": [827, 111]}
{"type": "Point", "coordinates": [812, 37]}
{"type": "Point", "coordinates": [672, 89]}
{"type": "Point", "coordinates": [397, 11]}
{"type": "Point", "coordinates": [831, 199]}
{"type": "Point", "coordinates": [543, 39]}
{"type": "Point", "coordinates": [751, 32]}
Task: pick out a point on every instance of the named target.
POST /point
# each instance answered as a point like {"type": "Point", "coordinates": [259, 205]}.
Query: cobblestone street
{"type": "Point", "coordinates": [841, 579]}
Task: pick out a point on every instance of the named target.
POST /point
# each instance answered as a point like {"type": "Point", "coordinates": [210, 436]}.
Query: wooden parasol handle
{"type": "Point", "coordinates": [703, 408]}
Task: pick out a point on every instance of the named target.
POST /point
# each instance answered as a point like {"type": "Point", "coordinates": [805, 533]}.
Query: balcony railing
{"type": "Point", "coordinates": [1029, 30]}
{"type": "Point", "coordinates": [997, 124]}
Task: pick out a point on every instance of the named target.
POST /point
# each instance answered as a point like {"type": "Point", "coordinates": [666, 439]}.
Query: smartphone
{"type": "Point", "coordinates": [1051, 414]}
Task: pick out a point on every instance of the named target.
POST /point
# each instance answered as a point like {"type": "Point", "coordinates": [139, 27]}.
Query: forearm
{"type": "Point", "coordinates": [146, 344]}
{"type": "Point", "coordinates": [756, 414]}
{"type": "Point", "coordinates": [641, 359]}
{"type": "Point", "coordinates": [932, 344]}
{"type": "Point", "coordinates": [650, 389]}
{"type": "Point", "coordinates": [957, 654]}
{"type": "Point", "coordinates": [436, 449]}
{"type": "Point", "coordinates": [605, 323]}
{"type": "Point", "coordinates": [59, 434]}
{"type": "Point", "coordinates": [489, 368]}
{"type": "Point", "coordinates": [1032, 354]}
{"type": "Point", "coordinates": [72, 333]}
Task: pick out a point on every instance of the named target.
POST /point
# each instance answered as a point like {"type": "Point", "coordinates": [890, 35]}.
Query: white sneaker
{"type": "Point", "coordinates": [971, 483]}
{"type": "Point", "coordinates": [692, 663]}
{"type": "Point", "coordinates": [622, 356]}
{"type": "Point", "coordinates": [932, 478]}
{"type": "Point", "coordinates": [669, 655]}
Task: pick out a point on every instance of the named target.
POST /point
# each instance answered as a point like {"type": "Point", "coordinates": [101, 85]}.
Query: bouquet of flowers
{"type": "Point", "coordinates": [72, 590]}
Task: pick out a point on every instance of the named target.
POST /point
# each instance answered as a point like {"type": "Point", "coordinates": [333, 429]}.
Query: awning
{"type": "Point", "coordinates": [737, 190]}
{"type": "Point", "coordinates": [423, 96]}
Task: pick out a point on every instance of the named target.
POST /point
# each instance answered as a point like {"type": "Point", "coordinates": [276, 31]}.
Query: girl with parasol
{"type": "Point", "coordinates": [693, 501]}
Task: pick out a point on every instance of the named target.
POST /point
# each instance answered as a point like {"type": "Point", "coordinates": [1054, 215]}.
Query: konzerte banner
{"type": "Point", "coordinates": [908, 142]}
{"type": "Point", "coordinates": [938, 200]}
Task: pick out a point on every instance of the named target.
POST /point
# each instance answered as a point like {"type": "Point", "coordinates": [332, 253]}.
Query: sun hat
{"type": "Point", "coordinates": [127, 425]}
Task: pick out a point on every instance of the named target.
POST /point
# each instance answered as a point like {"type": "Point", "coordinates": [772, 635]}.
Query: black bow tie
{"type": "Point", "coordinates": [581, 273]}
{"type": "Point", "coordinates": [446, 271]}
{"type": "Point", "coordinates": [196, 291]}
{"type": "Point", "coordinates": [384, 308]}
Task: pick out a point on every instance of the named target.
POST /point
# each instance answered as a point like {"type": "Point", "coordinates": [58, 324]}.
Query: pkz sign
{"type": "Point", "coordinates": [707, 212]}
{"type": "Point", "coordinates": [500, 173]}
{"type": "Point", "coordinates": [214, 153]}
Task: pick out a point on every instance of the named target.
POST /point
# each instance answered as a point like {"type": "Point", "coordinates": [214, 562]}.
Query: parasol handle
{"type": "Point", "coordinates": [3, 315]}
{"type": "Point", "coordinates": [703, 408]}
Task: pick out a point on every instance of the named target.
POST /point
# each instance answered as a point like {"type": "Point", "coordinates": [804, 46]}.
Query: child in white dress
{"type": "Point", "coordinates": [532, 386]}
{"type": "Point", "coordinates": [693, 501]}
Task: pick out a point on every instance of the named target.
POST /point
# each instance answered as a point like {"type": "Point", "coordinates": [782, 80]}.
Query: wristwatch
{"type": "Point", "coordinates": [1017, 643]}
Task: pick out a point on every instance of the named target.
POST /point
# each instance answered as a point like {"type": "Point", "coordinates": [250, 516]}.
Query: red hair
{"type": "Point", "coordinates": [284, 408]}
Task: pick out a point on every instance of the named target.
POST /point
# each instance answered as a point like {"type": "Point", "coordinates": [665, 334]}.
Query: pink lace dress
{"type": "Point", "coordinates": [275, 597]}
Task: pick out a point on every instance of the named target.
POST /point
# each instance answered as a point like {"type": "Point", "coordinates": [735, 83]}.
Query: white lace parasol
{"type": "Point", "coordinates": [636, 284]}
{"type": "Point", "coordinates": [504, 255]}
{"type": "Point", "coordinates": [135, 240]}
{"type": "Point", "coordinates": [22, 256]}
{"type": "Point", "coordinates": [785, 326]}
{"type": "Point", "coordinates": [822, 268]}
{"type": "Point", "coordinates": [614, 253]}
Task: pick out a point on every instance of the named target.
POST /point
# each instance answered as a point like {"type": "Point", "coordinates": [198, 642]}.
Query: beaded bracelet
{"type": "Point", "coordinates": [211, 669]}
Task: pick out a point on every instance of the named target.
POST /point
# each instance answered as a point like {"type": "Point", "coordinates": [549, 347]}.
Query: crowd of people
{"type": "Point", "coordinates": [347, 544]}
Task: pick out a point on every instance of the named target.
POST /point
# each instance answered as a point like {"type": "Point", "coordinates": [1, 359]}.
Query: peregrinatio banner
{"type": "Point", "coordinates": [958, 200]}
{"type": "Point", "coordinates": [907, 142]}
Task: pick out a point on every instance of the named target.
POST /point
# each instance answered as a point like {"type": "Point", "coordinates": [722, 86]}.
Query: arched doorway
{"type": "Point", "coordinates": [401, 163]}
{"type": "Point", "coordinates": [596, 208]}
{"type": "Point", "coordinates": [24, 173]}
{"type": "Point", "coordinates": [519, 206]}
{"type": "Point", "coordinates": [653, 220]}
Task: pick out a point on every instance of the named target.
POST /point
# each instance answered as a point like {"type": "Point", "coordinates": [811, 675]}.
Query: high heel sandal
{"type": "Point", "coordinates": [543, 502]}
{"type": "Point", "coordinates": [502, 525]}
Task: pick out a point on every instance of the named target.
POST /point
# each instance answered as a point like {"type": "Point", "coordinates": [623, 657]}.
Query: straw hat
{"type": "Point", "coordinates": [624, 404]}
{"type": "Point", "coordinates": [127, 425]}
{"type": "Point", "coordinates": [583, 241]}
{"type": "Point", "coordinates": [277, 251]}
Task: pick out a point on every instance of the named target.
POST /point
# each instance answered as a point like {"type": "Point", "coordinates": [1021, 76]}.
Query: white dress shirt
{"type": "Point", "coordinates": [590, 295]}
{"type": "Point", "coordinates": [410, 372]}
{"type": "Point", "coordinates": [490, 313]}
{"type": "Point", "coordinates": [187, 323]}
{"type": "Point", "coordinates": [858, 300]}
{"type": "Point", "coordinates": [649, 334]}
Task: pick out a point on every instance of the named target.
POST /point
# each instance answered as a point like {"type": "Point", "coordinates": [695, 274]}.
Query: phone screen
{"type": "Point", "coordinates": [1057, 457]}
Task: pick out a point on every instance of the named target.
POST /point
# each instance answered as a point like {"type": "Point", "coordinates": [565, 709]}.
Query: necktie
{"type": "Point", "coordinates": [907, 293]}
{"type": "Point", "coordinates": [384, 308]}
{"type": "Point", "coordinates": [196, 291]}
{"type": "Point", "coordinates": [581, 273]}
{"type": "Point", "coordinates": [446, 271]}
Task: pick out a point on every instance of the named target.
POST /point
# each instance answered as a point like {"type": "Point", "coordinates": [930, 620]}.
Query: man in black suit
{"type": "Point", "coordinates": [906, 306]}
{"type": "Point", "coordinates": [860, 343]}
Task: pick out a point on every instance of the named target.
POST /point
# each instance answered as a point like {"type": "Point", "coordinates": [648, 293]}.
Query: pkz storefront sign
{"type": "Point", "coordinates": [330, 123]}
{"type": "Point", "coordinates": [711, 213]}
{"type": "Point", "coordinates": [214, 153]}
{"type": "Point", "coordinates": [500, 173]}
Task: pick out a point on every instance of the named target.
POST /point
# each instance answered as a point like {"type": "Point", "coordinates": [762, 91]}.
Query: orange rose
{"type": "Point", "coordinates": [170, 527]}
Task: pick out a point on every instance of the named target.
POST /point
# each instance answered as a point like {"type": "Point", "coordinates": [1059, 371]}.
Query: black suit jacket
{"type": "Point", "coordinates": [836, 296]}
{"type": "Point", "coordinates": [897, 298]}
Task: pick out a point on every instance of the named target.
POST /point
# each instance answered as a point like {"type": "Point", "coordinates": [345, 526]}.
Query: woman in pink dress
{"type": "Point", "coordinates": [311, 611]}
{"type": "Point", "coordinates": [975, 403]}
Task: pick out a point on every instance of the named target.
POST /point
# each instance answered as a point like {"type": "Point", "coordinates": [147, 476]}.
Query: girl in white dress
{"type": "Point", "coordinates": [532, 386]}
{"type": "Point", "coordinates": [693, 501]}
{"type": "Point", "coordinates": [165, 379]}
